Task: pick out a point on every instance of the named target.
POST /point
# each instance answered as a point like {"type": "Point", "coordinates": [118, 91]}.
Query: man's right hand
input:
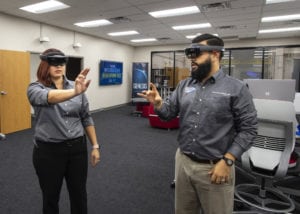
{"type": "Point", "coordinates": [152, 96]}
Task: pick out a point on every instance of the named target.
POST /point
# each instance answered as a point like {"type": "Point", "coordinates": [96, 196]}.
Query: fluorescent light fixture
{"type": "Point", "coordinates": [123, 33]}
{"type": "Point", "coordinates": [193, 26]}
{"type": "Point", "coordinates": [175, 12]}
{"type": "Point", "coordinates": [280, 18]}
{"type": "Point", "coordinates": [94, 23]}
{"type": "Point", "coordinates": [277, 1]}
{"type": "Point", "coordinates": [198, 34]}
{"type": "Point", "coordinates": [278, 30]}
{"type": "Point", "coordinates": [144, 40]}
{"type": "Point", "coordinates": [45, 6]}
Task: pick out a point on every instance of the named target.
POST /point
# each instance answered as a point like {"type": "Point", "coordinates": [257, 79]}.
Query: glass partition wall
{"type": "Point", "coordinates": [169, 67]}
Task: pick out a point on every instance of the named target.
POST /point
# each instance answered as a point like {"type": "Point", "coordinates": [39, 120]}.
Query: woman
{"type": "Point", "coordinates": [61, 120]}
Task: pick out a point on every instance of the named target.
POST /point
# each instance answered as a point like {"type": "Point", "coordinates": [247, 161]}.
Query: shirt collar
{"type": "Point", "coordinates": [217, 76]}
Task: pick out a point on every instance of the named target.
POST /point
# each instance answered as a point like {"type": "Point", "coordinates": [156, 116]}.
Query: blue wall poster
{"type": "Point", "coordinates": [139, 77]}
{"type": "Point", "coordinates": [111, 72]}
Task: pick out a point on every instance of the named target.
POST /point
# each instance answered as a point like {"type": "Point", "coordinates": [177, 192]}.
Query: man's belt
{"type": "Point", "coordinates": [196, 159]}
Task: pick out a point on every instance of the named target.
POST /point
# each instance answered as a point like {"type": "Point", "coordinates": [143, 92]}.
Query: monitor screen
{"type": "Point", "coordinates": [274, 89]}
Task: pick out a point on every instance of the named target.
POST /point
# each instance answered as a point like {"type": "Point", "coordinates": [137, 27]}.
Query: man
{"type": "Point", "coordinates": [217, 124]}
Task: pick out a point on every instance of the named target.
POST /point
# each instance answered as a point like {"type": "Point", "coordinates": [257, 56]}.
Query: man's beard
{"type": "Point", "coordinates": [202, 71]}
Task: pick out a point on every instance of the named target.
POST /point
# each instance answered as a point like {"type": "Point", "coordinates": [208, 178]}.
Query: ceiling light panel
{"type": "Point", "coordinates": [94, 23]}
{"type": "Point", "coordinates": [144, 40]}
{"type": "Point", "coordinates": [124, 33]}
{"type": "Point", "coordinates": [280, 18]}
{"type": "Point", "coordinates": [277, 1]}
{"type": "Point", "coordinates": [279, 30]}
{"type": "Point", "coordinates": [175, 12]}
{"type": "Point", "coordinates": [192, 26]}
{"type": "Point", "coordinates": [45, 6]}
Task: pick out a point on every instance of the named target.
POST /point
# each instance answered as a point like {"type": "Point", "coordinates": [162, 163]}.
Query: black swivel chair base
{"type": "Point", "coordinates": [265, 199]}
{"type": "Point", "coordinates": [290, 187]}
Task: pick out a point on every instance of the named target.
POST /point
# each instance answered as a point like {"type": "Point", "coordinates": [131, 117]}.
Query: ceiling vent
{"type": "Point", "coordinates": [120, 19]}
{"type": "Point", "coordinates": [215, 6]}
{"type": "Point", "coordinates": [230, 38]}
{"type": "Point", "coordinates": [292, 22]}
{"type": "Point", "coordinates": [163, 38]}
{"type": "Point", "coordinates": [226, 27]}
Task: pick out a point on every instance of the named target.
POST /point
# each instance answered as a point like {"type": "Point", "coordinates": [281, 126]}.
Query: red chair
{"type": "Point", "coordinates": [155, 121]}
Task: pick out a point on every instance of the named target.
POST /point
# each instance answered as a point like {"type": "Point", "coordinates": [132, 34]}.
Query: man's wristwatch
{"type": "Point", "coordinates": [228, 161]}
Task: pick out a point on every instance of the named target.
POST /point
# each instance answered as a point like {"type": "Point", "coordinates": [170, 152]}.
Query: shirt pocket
{"type": "Point", "coordinates": [218, 106]}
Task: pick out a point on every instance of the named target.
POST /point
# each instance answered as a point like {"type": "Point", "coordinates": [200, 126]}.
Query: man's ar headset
{"type": "Point", "coordinates": [196, 49]}
{"type": "Point", "coordinates": [54, 58]}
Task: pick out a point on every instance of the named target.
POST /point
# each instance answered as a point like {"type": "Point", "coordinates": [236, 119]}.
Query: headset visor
{"type": "Point", "coordinates": [55, 58]}
{"type": "Point", "coordinates": [196, 49]}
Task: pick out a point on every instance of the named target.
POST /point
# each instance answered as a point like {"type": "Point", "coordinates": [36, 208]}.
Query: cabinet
{"type": "Point", "coordinates": [163, 77]}
{"type": "Point", "coordinates": [168, 68]}
{"type": "Point", "coordinates": [169, 77]}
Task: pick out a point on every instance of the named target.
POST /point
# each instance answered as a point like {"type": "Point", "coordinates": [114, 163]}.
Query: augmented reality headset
{"type": "Point", "coordinates": [54, 58]}
{"type": "Point", "coordinates": [196, 49]}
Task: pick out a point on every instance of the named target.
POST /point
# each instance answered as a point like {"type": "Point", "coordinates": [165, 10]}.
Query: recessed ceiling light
{"type": "Point", "coordinates": [280, 18]}
{"type": "Point", "coordinates": [45, 6]}
{"type": "Point", "coordinates": [175, 12]}
{"type": "Point", "coordinates": [144, 40]}
{"type": "Point", "coordinates": [123, 33]}
{"type": "Point", "coordinates": [193, 26]}
{"type": "Point", "coordinates": [94, 23]}
{"type": "Point", "coordinates": [279, 30]}
{"type": "Point", "coordinates": [277, 1]}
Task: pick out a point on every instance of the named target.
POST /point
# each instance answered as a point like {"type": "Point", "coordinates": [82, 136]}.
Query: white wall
{"type": "Point", "coordinates": [23, 35]}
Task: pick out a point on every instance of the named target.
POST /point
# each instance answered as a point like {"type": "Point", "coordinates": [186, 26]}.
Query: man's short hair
{"type": "Point", "coordinates": [210, 40]}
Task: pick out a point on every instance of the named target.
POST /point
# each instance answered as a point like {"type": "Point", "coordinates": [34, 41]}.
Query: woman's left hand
{"type": "Point", "coordinates": [95, 157]}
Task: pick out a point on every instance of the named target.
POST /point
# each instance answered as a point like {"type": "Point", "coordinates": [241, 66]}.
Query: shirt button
{"type": "Point", "coordinates": [203, 87]}
{"type": "Point", "coordinates": [200, 100]}
{"type": "Point", "coordinates": [194, 140]}
{"type": "Point", "coordinates": [196, 126]}
{"type": "Point", "coordinates": [198, 113]}
{"type": "Point", "coordinates": [66, 121]}
{"type": "Point", "coordinates": [69, 131]}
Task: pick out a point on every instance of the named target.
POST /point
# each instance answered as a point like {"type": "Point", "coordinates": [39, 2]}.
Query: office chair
{"type": "Point", "coordinates": [155, 121]}
{"type": "Point", "coordinates": [268, 158]}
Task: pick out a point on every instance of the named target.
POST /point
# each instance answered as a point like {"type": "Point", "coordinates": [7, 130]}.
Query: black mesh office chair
{"type": "Point", "coordinates": [268, 158]}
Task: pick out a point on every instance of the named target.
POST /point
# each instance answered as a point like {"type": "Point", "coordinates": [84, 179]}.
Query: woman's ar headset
{"type": "Point", "coordinates": [54, 58]}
